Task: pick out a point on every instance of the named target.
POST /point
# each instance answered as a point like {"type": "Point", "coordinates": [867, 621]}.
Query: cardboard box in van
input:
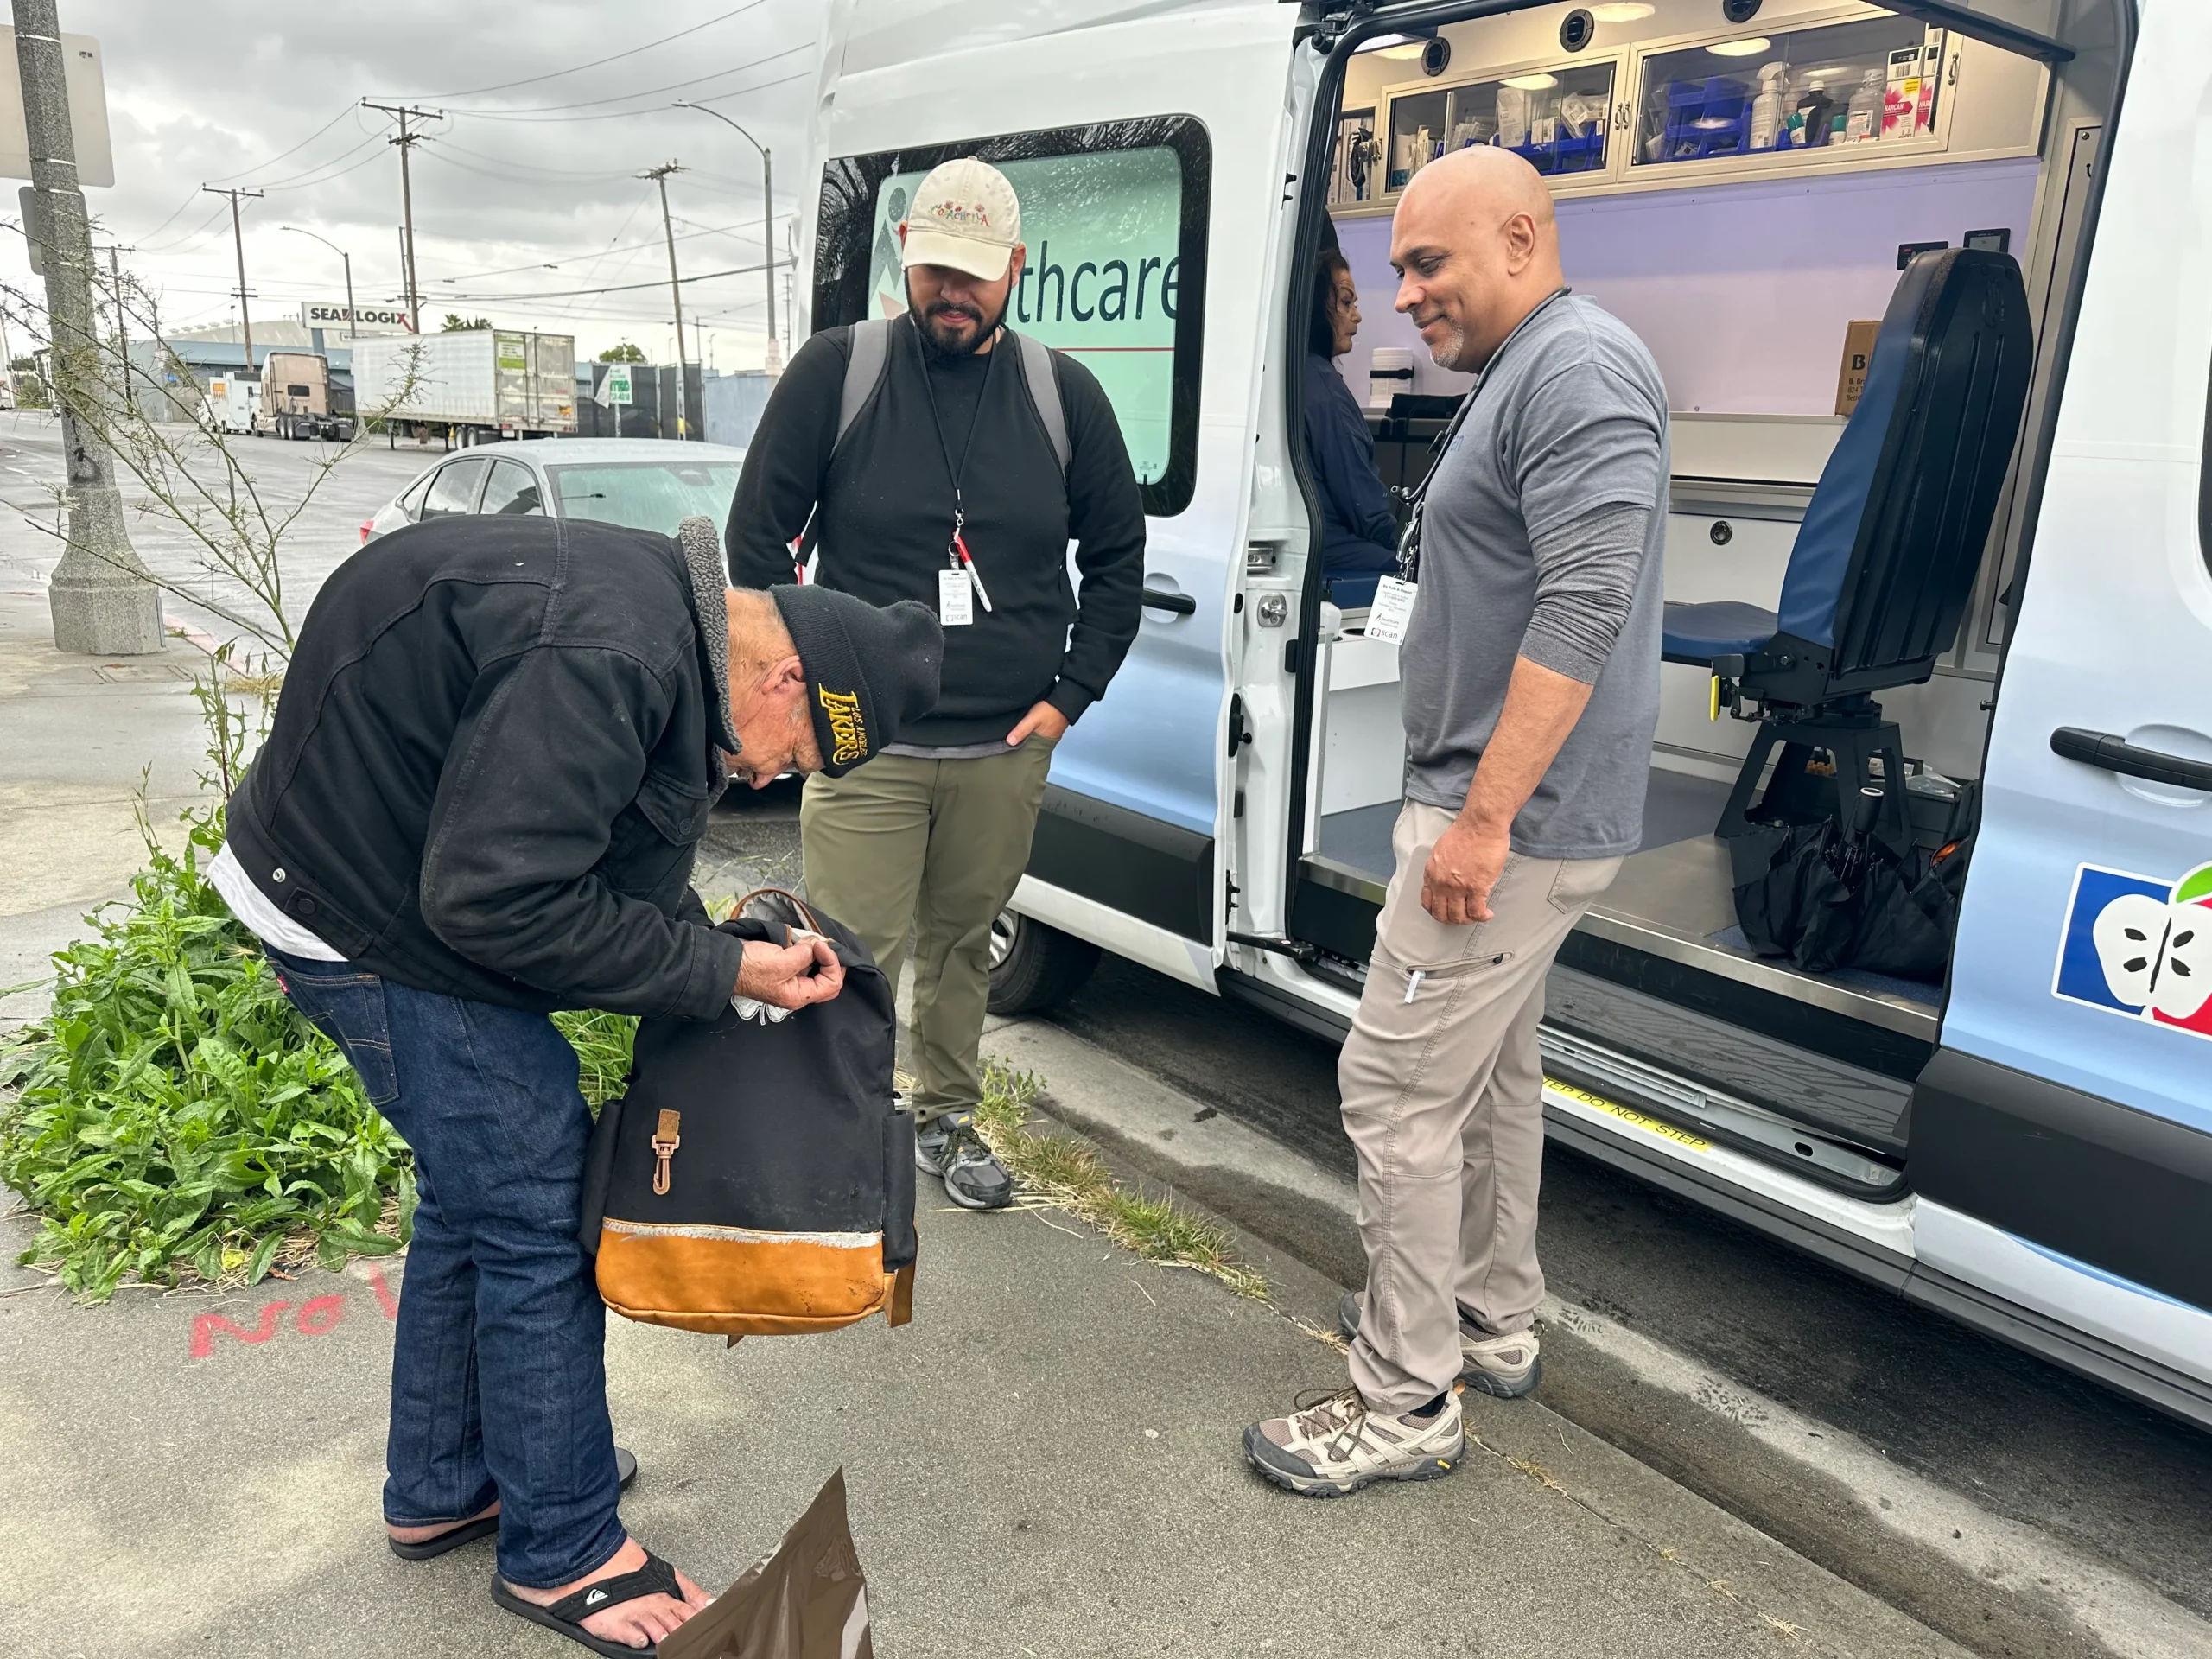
{"type": "Point", "coordinates": [1857, 352]}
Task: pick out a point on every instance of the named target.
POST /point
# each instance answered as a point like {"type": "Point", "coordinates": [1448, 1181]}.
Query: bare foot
{"type": "Point", "coordinates": [640, 1623]}
{"type": "Point", "coordinates": [424, 1535]}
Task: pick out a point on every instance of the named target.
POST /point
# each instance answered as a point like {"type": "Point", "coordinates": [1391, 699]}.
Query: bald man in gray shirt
{"type": "Point", "coordinates": [1530, 692]}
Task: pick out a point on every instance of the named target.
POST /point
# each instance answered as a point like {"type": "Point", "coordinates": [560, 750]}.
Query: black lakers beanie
{"type": "Point", "coordinates": [870, 672]}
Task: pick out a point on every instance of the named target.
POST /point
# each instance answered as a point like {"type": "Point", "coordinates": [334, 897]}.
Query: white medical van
{"type": "Point", "coordinates": [1988, 579]}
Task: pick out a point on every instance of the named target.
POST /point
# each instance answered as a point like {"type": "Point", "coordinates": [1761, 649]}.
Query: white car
{"type": "Point", "coordinates": [645, 483]}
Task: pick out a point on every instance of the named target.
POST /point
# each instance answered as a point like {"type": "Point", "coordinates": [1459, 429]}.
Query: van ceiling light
{"type": "Point", "coordinates": [1623, 11]}
{"type": "Point", "coordinates": [1531, 83]}
{"type": "Point", "coordinates": [1392, 45]}
{"type": "Point", "coordinates": [1750, 48]}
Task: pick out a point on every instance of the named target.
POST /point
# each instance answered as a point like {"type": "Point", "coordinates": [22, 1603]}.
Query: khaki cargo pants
{"type": "Point", "coordinates": [1443, 1094]}
{"type": "Point", "coordinates": [939, 847]}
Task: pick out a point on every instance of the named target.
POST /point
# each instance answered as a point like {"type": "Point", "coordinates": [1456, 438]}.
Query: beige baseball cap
{"type": "Point", "coordinates": [964, 215]}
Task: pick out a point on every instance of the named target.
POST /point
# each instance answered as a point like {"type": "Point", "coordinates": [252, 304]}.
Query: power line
{"type": "Point", "coordinates": [629, 115]}
{"type": "Point", "coordinates": [555, 74]}
{"type": "Point", "coordinates": [642, 92]}
{"type": "Point", "coordinates": [611, 288]}
{"type": "Point", "coordinates": [294, 150]}
{"type": "Point", "coordinates": [636, 247]}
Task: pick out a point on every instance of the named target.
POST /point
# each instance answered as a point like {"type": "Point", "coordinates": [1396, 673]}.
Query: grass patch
{"type": "Point", "coordinates": [603, 1043]}
{"type": "Point", "coordinates": [1071, 1177]}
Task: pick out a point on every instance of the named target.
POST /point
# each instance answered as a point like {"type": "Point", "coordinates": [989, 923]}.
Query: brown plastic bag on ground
{"type": "Point", "coordinates": [806, 1600]}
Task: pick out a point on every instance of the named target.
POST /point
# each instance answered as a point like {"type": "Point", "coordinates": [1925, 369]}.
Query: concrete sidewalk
{"type": "Point", "coordinates": [1044, 1462]}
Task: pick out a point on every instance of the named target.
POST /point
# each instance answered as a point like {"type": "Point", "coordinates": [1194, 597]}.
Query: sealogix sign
{"type": "Point", "coordinates": [367, 319]}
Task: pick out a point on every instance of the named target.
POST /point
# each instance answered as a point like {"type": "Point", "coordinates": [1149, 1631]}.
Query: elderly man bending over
{"type": "Point", "coordinates": [1530, 671]}
{"type": "Point", "coordinates": [494, 754]}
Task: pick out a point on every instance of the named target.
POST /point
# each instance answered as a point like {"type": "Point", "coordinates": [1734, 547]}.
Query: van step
{"type": "Point", "coordinates": [1835, 1161]}
{"type": "Point", "coordinates": [1832, 1097]}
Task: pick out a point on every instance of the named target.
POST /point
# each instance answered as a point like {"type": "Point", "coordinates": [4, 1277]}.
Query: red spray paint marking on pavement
{"type": "Point", "coordinates": [205, 1327]}
{"type": "Point", "coordinates": [385, 1299]}
{"type": "Point", "coordinates": [318, 1316]}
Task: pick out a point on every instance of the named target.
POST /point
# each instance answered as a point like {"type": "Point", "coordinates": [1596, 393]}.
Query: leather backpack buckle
{"type": "Point", "coordinates": [664, 1143]}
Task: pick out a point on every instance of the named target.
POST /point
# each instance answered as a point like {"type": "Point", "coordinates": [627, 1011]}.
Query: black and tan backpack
{"type": "Point", "coordinates": [756, 1177]}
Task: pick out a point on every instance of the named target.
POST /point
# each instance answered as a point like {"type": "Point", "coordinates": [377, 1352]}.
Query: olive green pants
{"type": "Point", "coordinates": [937, 846]}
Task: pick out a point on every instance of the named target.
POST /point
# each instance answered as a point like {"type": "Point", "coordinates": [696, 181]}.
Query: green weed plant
{"type": "Point", "coordinates": [174, 1110]}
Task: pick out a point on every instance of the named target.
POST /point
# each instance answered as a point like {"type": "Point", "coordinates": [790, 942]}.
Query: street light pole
{"type": "Point", "coordinates": [767, 215]}
{"type": "Point", "coordinates": [351, 331]}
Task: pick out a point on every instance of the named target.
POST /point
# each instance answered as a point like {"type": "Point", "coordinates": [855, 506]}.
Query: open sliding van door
{"type": "Point", "coordinates": [1145, 147]}
{"type": "Point", "coordinates": [2061, 1139]}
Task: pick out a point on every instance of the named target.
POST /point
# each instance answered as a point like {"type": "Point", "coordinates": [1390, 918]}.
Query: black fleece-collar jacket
{"type": "Point", "coordinates": [492, 761]}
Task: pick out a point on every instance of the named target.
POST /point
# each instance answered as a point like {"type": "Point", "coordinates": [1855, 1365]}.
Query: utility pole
{"type": "Point", "coordinates": [659, 176]}
{"type": "Point", "coordinates": [767, 220]}
{"type": "Point", "coordinates": [237, 237]}
{"type": "Point", "coordinates": [102, 602]}
{"type": "Point", "coordinates": [407, 141]}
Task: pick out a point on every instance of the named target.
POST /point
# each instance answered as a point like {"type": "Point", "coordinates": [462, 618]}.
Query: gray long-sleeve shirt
{"type": "Point", "coordinates": [1541, 538]}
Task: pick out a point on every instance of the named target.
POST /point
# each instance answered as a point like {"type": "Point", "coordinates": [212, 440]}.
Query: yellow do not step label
{"type": "Point", "coordinates": [1658, 1126]}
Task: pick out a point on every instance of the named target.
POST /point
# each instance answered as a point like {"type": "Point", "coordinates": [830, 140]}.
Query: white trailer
{"type": "Point", "coordinates": [234, 403]}
{"type": "Point", "coordinates": [473, 385]}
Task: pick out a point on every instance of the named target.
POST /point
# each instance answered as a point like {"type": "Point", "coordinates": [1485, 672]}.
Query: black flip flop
{"type": "Point", "coordinates": [625, 1469]}
{"type": "Point", "coordinates": [655, 1578]}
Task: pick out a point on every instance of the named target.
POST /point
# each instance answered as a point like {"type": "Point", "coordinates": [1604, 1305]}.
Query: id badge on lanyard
{"type": "Point", "coordinates": [1392, 610]}
{"type": "Point", "coordinates": [959, 584]}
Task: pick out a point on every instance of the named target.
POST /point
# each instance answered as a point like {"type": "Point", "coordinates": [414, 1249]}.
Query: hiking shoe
{"type": "Point", "coordinates": [1332, 1449]}
{"type": "Point", "coordinates": [974, 1178]}
{"type": "Point", "coordinates": [1503, 1367]}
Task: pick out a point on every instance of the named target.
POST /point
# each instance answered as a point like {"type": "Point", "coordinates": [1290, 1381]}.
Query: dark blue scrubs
{"type": "Point", "coordinates": [1359, 537]}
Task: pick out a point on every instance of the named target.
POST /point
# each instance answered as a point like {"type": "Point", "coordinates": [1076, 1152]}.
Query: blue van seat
{"type": "Point", "coordinates": [1697, 633]}
{"type": "Point", "coordinates": [1884, 562]}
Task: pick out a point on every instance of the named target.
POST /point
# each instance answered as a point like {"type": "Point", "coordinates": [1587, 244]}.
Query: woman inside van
{"type": "Point", "coordinates": [1358, 536]}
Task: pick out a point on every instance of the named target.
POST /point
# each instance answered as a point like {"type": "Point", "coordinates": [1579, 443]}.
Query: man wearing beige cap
{"type": "Point", "coordinates": [938, 456]}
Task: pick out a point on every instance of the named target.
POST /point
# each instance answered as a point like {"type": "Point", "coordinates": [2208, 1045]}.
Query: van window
{"type": "Point", "coordinates": [1115, 220]}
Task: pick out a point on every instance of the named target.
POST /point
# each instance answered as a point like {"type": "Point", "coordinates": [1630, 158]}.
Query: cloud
{"type": "Point", "coordinates": [518, 178]}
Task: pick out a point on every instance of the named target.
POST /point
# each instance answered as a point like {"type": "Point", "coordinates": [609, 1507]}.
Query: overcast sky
{"type": "Point", "coordinates": [519, 177]}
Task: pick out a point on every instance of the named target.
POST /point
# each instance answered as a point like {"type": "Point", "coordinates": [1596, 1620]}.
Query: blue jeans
{"type": "Point", "coordinates": [499, 1302]}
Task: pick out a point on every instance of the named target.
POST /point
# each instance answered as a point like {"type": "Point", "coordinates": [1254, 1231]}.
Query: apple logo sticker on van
{"type": "Point", "coordinates": [2138, 946]}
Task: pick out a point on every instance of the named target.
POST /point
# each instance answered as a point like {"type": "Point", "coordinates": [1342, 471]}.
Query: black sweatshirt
{"type": "Point", "coordinates": [490, 764]}
{"type": "Point", "coordinates": [886, 504]}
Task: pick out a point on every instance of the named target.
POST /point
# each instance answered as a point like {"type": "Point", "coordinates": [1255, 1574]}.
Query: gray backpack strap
{"type": "Point", "coordinates": [867, 359]}
{"type": "Point", "coordinates": [868, 362]}
{"type": "Point", "coordinates": [1045, 394]}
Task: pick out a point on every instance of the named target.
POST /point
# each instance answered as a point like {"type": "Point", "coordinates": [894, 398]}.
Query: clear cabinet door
{"type": "Point", "coordinates": [1841, 85]}
{"type": "Point", "coordinates": [1558, 119]}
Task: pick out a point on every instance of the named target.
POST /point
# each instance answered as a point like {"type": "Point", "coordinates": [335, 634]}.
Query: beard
{"type": "Point", "coordinates": [944, 325]}
{"type": "Point", "coordinates": [1449, 354]}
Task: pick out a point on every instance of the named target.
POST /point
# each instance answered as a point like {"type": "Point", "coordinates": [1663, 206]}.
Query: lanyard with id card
{"type": "Point", "coordinates": [1394, 596]}
{"type": "Point", "coordinates": [959, 585]}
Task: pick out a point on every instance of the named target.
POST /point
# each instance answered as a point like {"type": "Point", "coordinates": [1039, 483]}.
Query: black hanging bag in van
{"type": "Point", "coordinates": [1827, 898]}
{"type": "Point", "coordinates": [756, 1177]}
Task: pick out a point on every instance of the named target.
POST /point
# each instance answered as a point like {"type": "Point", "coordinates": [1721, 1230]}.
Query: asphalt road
{"type": "Point", "coordinates": [312, 497]}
